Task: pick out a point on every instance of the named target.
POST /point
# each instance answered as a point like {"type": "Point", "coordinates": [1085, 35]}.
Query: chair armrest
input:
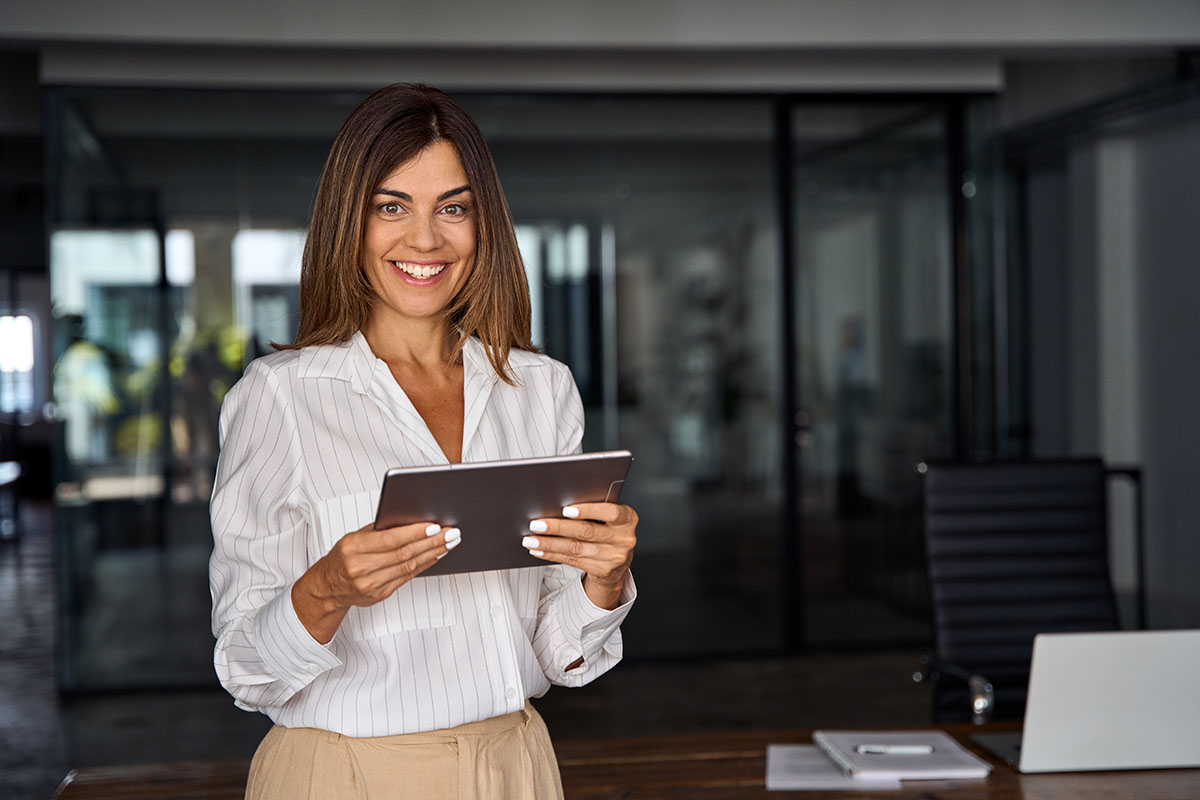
{"type": "Point", "coordinates": [983, 696]}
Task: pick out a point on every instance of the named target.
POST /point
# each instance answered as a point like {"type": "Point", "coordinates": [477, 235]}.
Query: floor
{"type": "Point", "coordinates": [44, 734]}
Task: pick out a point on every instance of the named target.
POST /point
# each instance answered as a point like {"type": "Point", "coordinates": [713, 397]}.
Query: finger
{"type": "Point", "coordinates": [443, 542]}
{"type": "Point", "coordinates": [428, 556]}
{"type": "Point", "coordinates": [400, 574]}
{"type": "Point", "coordinates": [384, 565]}
{"type": "Point", "coordinates": [600, 512]}
{"type": "Point", "coordinates": [370, 527]}
{"type": "Point", "coordinates": [547, 549]}
{"type": "Point", "coordinates": [584, 530]}
{"type": "Point", "coordinates": [405, 563]}
{"type": "Point", "coordinates": [451, 540]}
{"type": "Point", "coordinates": [589, 558]}
{"type": "Point", "coordinates": [387, 539]}
{"type": "Point", "coordinates": [541, 544]}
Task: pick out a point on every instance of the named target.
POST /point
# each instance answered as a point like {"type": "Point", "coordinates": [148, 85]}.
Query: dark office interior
{"type": "Point", "coordinates": [785, 280]}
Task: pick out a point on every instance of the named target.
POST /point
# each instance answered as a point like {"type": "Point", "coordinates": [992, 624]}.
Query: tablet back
{"type": "Point", "coordinates": [493, 502]}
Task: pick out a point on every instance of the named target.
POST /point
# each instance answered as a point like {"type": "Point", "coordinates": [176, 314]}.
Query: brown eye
{"type": "Point", "coordinates": [390, 208]}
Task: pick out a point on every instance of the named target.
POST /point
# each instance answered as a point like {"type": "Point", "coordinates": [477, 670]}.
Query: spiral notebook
{"type": "Point", "coordinates": [900, 755]}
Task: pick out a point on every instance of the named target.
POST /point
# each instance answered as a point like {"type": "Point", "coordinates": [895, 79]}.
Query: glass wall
{"type": "Point", "coordinates": [178, 221]}
{"type": "Point", "coordinates": [874, 337]}
{"type": "Point", "coordinates": [22, 393]}
{"type": "Point", "coordinates": [649, 230]}
{"type": "Point", "coordinates": [654, 254]}
{"type": "Point", "coordinates": [1104, 243]}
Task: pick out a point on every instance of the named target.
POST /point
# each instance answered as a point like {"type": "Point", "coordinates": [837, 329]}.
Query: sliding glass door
{"type": "Point", "coordinates": [872, 319]}
{"type": "Point", "coordinates": [649, 233]}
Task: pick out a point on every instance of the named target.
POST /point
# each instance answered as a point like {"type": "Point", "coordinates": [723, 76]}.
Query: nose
{"type": "Point", "coordinates": [422, 234]}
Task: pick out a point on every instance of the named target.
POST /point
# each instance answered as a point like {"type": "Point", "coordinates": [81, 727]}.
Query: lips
{"type": "Point", "coordinates": [419, 271]}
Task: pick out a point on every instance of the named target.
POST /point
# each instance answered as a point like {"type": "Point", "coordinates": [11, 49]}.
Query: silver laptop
{"type": "Point", "coordinates": [1099, 701]}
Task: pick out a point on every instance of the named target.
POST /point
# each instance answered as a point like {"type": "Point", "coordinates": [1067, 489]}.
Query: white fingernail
{"type": "Point", "coordinates": [529, 542]}
{"type": "Point", "coordinates": [537, 553]}
{"type": "Point", "coordinates": [570, 511]}
{"type": "Point", "coordinates": [453, 536]}
{"type": "Point", "coordinates": [453, 544]}
{"type": "Point", "coordinates": [432, 528]}
{"type": "Point", "coordinates": [537, 526]}
{"type": "Point", "coordinates": [443, 555]}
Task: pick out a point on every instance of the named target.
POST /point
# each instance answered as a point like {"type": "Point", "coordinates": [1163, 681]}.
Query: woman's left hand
{"type": "Point", "coordinates": [598, 538]}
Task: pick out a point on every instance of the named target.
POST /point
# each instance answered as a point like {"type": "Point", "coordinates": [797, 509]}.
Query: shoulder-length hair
{"type": "Point", "coordinates": [387, 129]}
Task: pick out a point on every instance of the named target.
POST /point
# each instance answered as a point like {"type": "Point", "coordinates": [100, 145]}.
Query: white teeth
{"type": "Point", "coordinates": [418, 271]}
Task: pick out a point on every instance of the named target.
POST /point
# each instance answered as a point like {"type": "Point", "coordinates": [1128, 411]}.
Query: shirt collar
{"type": "Point", "coordinates": [351, 360]}
{"type": "Point", "coordinates": [354, 361]}
{"type": "Point", "coordinates": [475, 360]}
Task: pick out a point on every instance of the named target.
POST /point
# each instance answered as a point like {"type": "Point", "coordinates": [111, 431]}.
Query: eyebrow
{"type": "Point", "coordinates": [440, 198]}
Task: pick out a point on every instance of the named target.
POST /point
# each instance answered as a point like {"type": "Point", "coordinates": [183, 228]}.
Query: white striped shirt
{"type": "Point", "coordinates": [306, 437]}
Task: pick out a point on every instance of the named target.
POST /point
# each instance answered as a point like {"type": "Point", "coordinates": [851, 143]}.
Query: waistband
{"type": "Point", "coordinates": [483, 727]}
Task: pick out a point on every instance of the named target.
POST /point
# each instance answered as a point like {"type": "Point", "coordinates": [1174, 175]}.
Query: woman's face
{"type": "Point", "coordinates": [420, 239]}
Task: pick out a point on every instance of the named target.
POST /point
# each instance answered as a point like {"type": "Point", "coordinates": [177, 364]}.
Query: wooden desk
{"type": "Point", "coordinates": [696, 767]}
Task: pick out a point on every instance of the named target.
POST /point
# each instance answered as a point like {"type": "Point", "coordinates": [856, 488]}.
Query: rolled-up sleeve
{"type": "Point", "coordinates": [570, 626]}
{"type": "Point", "coordinates": [263, 654]}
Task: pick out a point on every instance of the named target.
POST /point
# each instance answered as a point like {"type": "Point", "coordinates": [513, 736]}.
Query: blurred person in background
{"type": "Point", "coordinates": [86, 394]}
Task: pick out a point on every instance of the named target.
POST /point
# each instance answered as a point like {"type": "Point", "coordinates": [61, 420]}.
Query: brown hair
{"type": "Point", "coordinates": [387, 129]}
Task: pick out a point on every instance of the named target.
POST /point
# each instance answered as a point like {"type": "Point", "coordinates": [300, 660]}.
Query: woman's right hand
{"type": "Point", "coordinates": [363, 568]}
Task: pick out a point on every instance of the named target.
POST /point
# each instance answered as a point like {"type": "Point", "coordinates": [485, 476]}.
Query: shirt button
{"type": "Point", "coordinates": [510, 693]}
{"type": "Point", "coordinates": [496, 611]}
{"type": "Point", "coordinates": [313, 668]}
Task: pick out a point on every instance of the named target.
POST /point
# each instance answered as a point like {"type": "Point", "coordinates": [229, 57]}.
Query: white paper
{"type": "Point", "coordinates": [803, 766]}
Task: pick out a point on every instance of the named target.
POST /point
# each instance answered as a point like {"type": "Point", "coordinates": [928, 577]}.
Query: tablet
{"type": "Point", "coordinates": [492, 502]}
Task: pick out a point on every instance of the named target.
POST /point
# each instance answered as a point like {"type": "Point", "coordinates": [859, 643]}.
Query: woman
{"type": "Point", "coordinates": [413, 349]}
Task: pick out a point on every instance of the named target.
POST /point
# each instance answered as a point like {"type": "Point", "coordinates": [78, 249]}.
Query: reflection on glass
{"type": "Point", "coordinates": [873, 325]}
{"type": "Point", "coordinates": [16, 363]}
{"type": "Point", "coordinates": [181, 257]}
{"type": "Point", "coordinates": [648, 231]}
{"type": "Point", "coordinates": [106, 306]}
{"type": "Point", "coordinates": [174, 259]}
{"type": "Point", "coordinates": [529, 242]}
{"type": "Point", "coordinates": [266, 280]}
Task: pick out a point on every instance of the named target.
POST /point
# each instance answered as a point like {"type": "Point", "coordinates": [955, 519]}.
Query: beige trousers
{"type": "Point", "coordinates": [507, 758]}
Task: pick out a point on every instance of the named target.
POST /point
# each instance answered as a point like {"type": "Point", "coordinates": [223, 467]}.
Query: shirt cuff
{"type": "Point", "coordinates": [589, 627]}
{"type": "Point", "coordinates": [286, 646]}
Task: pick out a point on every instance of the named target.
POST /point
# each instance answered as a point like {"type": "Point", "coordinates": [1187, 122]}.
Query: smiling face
{"type": "Point", "coordinates": [419, 245]}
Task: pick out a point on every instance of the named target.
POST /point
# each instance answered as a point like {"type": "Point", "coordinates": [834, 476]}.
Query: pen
{"type": "Point", "coordinates": [895, 749]}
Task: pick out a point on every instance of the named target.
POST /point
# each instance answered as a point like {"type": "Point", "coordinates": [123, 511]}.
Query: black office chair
{"type": "Point", "coordinates": [1013, 550]}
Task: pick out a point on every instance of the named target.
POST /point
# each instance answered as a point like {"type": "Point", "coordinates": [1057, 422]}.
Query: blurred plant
{"type": "Point", "coordinates": [141, 383]}
{"type": "Point", "coordinates": [138, 435]}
